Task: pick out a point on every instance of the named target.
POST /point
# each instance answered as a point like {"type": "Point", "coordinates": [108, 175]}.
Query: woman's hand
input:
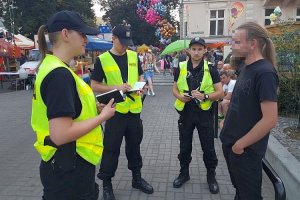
{"type": "Point", "coordinates": [100, 107]}
{"type": "Point", "coordinates": [108, 110]}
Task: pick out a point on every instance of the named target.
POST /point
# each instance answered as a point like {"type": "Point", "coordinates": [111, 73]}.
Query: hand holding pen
{"type": "Point", "coordinates": [198, 94]}
{"type": "Point", "coordinates": [124, 87]}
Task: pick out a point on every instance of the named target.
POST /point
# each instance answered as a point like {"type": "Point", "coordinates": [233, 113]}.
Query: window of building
{"type": "Point", "coordinates": [298, 15]}
{"type": "Point", "coordinates": [268, 12]}
{"type": "Point", "coordinates": [216, 22]}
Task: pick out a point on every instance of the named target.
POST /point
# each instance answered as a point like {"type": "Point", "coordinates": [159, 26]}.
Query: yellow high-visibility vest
{"type": "Point", "coordinates": [206, 86]}
{"type": "Point", "coordinates": [114, 77]}
{"type": "Point", "coordinates": [89, 146]}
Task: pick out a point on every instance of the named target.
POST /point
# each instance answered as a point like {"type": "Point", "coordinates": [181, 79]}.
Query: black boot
{"type": "Point", "coordinates": [212, 182]}
{"type": "Point", "coordinates": [108, 193]}
{"type": "Point", "coordinates": [139, 183]}
{"type": "Point", "coordinates": [183, 177]}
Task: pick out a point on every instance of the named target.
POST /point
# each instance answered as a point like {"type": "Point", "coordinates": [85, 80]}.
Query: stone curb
{"type": "Point", "coordinates": [286, 166]}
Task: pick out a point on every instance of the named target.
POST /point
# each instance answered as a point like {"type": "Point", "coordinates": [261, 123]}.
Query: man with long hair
{"type": "Point", "coordinates": [252, 111]}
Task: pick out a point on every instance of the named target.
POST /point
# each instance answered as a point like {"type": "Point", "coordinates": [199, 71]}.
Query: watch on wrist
{"type": "Point", "coordinates": [206, 96]}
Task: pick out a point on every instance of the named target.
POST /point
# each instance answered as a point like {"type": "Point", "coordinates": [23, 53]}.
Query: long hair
{"type": "Point", "coordinates": [43, 48]}
{"type": "Point", "coordinates": [266, 46]}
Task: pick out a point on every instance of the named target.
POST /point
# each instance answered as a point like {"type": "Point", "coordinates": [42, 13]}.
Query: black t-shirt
{"type": "Point", "coordinates": [194, 79]}
{"type": "Point", "coordinates": [122, 61]}
{"type": "Point", "coordinates": [58, 91]}
{"type": "Point", "coordinates": [256, 83]}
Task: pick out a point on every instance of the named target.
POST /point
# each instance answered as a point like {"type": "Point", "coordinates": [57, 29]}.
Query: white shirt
{"type": "Point", "coordinates": [141, 57]}
{"type": "Point", "coordinates": [229, 87]}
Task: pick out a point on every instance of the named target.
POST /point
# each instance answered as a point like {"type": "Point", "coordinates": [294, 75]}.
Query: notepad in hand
{"type": "Point", "coordinates": [107, 96]}
{"type": "Point", "coordinates": [138, 86]}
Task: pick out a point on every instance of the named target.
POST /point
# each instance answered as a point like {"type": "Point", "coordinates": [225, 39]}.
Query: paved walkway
{"type": "Point", "coordinates": [19, 162]}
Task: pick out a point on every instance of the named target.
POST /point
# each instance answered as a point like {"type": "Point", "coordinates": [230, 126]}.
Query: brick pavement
{"type": "Point", "coordinates": [19, 162]}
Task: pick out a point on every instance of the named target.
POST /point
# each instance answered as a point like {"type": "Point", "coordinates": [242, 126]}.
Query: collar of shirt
{"type": "Point", "coordinates": [195, 71]}
{"type": "Point", "coordinates": [190, 66]}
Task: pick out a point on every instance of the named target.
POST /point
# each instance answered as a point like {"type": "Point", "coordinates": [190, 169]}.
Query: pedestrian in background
{"type": "Point", "coordinates": [252, 112]}
{"type": "Point", "coordinates": [167, 64]}
{"type": "Point", "coordinates": [149, 68]}
{"type": "Point", "coordinates": [120, 69]}
{"type": "Point", "coordinates": [196, 86]}
{"type": "Point", "coordinates": [175, 62]}
{"type": "Point", "coordinates": [183, 56]}
{"type": "Point", "coordinates": [64, 114]}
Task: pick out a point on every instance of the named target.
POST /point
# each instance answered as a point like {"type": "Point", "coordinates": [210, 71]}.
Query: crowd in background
{"type": "Point", "coordinates": [167, 64]}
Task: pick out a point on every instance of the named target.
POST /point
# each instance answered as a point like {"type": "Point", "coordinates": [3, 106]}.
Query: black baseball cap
{"type": "Point", "coordinates": [197, 40]}
{"type": "Point", "coordinates": [70, 20]}
{"type": "Point", "coordinates": [124, 34]}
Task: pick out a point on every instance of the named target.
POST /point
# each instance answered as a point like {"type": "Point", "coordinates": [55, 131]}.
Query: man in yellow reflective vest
{"type": "Point", "coordinates": [196, 86]}
{"type": "Point", "coordinates": [120, 69]}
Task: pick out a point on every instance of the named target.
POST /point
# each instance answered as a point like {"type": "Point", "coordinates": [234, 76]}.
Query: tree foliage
{"type": "Point", "coordinates": [118, 10]}
{"type": "Point", "coordinates": [28, 16]}
{"type": "Point", "coordinates": [287, 46]}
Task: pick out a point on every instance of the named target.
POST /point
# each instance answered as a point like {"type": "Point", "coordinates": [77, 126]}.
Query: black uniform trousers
{"type": "Point", "coordinates": [121, 125]}
{"type": "Point", "coordinates": [76, 184]}
{"type": "Point", "coordinates": [245, 172]}
{"type": "Point", "coordinates": [192, 117]}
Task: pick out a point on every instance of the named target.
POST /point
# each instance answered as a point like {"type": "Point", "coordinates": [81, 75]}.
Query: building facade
{"type": "Point", "coordinates": [215, 19]}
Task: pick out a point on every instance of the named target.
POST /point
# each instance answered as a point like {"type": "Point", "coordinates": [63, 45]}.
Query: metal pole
{"type": "Point", "coordinates": [275, 179]}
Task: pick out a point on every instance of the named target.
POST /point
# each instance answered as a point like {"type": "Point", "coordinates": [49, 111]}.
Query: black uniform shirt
{"type": "Point", "coordinates": [194, 79]}
{"type": "Point", "coordinates": [256, 83]}
{"type": "Point", "coordinates": [195, 75]}
{"type": "Point", "coordinates": [122, 61]}
{"type": "Point", "coordinates": [58, 91]}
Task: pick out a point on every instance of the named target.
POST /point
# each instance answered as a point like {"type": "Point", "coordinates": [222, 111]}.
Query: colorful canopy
{"type": "Point", "coordinates": [7, 49]}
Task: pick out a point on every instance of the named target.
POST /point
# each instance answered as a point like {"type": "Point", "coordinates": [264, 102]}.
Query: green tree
{"type": "Point", "coordinates": [118, 10]}
{"type": "Point", "coordinates": [84, 7]}
{"type": "Point", "coordinates": [287, 46]}
{"type": "Point", "coordinates": [28, 16]}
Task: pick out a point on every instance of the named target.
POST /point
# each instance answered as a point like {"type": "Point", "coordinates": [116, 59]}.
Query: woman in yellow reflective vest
{"type": "Point", "coordinates": [64, 113]}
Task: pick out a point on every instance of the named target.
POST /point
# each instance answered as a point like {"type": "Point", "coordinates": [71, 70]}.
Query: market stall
{"type": "Point", "coordinates": [23, 42]}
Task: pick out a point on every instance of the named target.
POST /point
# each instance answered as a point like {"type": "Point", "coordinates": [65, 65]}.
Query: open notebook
{"type": "Point", "coordinates": [137, 86]}
{"type": "Point", "coordinates": [107, 96]}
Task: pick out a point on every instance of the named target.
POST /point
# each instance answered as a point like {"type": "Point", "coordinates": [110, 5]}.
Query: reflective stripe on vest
{"type": "Point", "coordinates": [89, 146]}
{"type": "Point", "coordinates": [206, 86]}
{"type": "Point", "coordinates": [113, 77]}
